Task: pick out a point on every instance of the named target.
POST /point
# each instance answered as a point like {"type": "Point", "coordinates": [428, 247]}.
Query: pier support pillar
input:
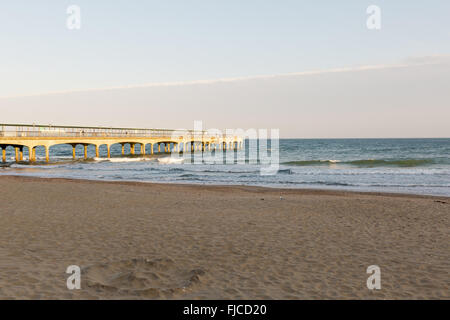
{"type": "Point", "coordinates": [151, 148]}
{"type": "Point", "coordinates": [85, 152]}
{"type": "Point", "coordinates": [132, 148]}
{"type": "Point", "coordinates": [159, 147]}
{"type": "Point", "coordinates": [73, 152]}
{"type": "Point", "coordinates": [165, 147]}
{"type": "Point", "coordinates": [123, 149]}
{"type": "Point", "coordinates": [4, 154]}
{"type": "Point", "coordinates": [33, 154]}
{"type": "Point", "coordinates": [21, 154]}
{"type": "Point", "coordinates": [108, 148]}
{"type": "Point", "coordinates": [142, 149]}
{"type": "Point", "coordinates": [17, 153]}
{"type": "Point", "coordinates": [47, 154]}
{"type": "Point", "coordinates": [97, 153]}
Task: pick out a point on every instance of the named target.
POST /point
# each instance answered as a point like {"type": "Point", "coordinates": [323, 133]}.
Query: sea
{"type": "Point", "coordinates": [413, 166]}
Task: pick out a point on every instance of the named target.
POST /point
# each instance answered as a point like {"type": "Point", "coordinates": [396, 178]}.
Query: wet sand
{"type": "Point", "coordinates": [159, 241]}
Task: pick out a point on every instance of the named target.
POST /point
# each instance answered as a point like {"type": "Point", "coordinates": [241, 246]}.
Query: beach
{"type": "Point", "coordinates": [137, 240]}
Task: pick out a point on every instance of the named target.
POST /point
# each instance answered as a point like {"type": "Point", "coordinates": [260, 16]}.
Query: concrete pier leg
{"type": "Point", "coordinates": [33, 154]}
{"type": "Point", "coordinates": [166, 147]}
{"type": "Point", "coordinates": [17, 153]}
{"type": "Point", "coordinates": [97, 153]}
{"type": "Point", "coordinates": [108, 148]}
{"type": "Point", "coordinates": [132, 148]}
{"type": "Point", "coordinates": [4, 154]}
{"type": "Point", "coordinates": [21, 154]}
{"type": "Point", "coordinates": [47, 154]}
{"type": "Point", "coordinates": [159, 147]}
{"type": "Point", "coordinates": [85, 152]}
{"type": "Point", "coordinates": [142, 149]}
{"type": "Point", "coordinates": [151, 148]}
{"type": "Point", "coordinates": [123, 149]}
{"type": "Point", "coordinates": [73, 152]}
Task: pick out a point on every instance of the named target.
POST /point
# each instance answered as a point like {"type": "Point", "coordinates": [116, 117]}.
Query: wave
{"type": "Point", "coordinates": [169, 160]}
{"type": "Point", "coordinates": [311, 162]}
{"type": "Point", "coordinates": [393, 163]}
{"type": "Point", "coordinates": [122, 159]}
{"type": "Point", "coordinates": [312, 183]}
{"type": "Point", "coordinates": [370, 163]}
{"type": "Point", "coordinates": [187, 175]}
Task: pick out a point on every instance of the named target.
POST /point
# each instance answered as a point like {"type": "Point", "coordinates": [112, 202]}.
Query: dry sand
{"type": "Point", "coordinates": [146, 241]}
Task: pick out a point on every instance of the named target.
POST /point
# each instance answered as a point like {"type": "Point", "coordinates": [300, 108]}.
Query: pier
{"type": "Point", "coordinates": [20, 136]}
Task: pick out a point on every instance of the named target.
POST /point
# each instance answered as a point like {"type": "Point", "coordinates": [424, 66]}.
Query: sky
{"type": "Point", "coordinates": [309, 68]}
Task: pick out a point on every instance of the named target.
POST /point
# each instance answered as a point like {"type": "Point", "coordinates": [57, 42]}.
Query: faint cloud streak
{"type": "Point", "coordinates": [410, 62]}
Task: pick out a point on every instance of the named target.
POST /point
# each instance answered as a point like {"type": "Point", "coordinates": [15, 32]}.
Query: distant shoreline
{"type": "Point", "coordinates": [262, 189]}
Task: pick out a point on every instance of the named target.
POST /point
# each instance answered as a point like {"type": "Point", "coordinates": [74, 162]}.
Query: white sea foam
{"type": "Point", "coordinates": [169, 160]}
{"type": "Point", "coordinates": [122, 159]}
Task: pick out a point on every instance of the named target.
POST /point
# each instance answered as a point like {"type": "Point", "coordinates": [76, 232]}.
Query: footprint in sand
{"type": "Point", "coordinates": [140, 278]}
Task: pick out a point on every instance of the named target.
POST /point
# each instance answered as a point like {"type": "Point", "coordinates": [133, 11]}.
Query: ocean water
{"type": "Point", "coordinates": [418, 166]}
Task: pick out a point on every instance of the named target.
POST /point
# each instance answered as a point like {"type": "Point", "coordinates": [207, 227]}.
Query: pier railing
{"type": "Point", "coordinates": [19, 130]}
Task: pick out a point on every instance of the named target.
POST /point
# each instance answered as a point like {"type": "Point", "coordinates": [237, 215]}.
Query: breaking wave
{"type": "Point", "coordinates": [370, 163]}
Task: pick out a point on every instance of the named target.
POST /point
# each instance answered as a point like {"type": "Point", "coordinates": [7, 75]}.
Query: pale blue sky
{"type": "Point", "coordinates": [133, 42]}
{"type": "Point", "coordinates": [123, 43]}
